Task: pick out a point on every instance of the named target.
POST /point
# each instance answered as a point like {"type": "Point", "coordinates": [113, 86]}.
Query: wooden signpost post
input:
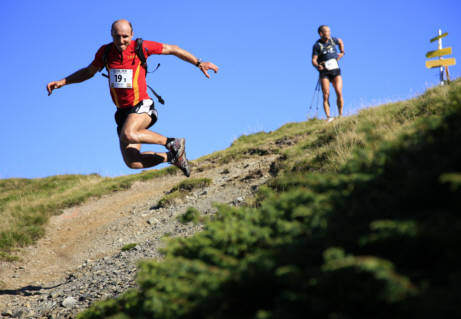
{"type": "Point", "coordinates": [441, 62]}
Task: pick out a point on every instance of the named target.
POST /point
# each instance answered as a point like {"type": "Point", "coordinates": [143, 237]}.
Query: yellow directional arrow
{"type": "Point", "coordinates": [436, 53]}
{"type": "Point", "coordinates": [441, 62]}
{"type": "Point", "coordinates": [439, 37]}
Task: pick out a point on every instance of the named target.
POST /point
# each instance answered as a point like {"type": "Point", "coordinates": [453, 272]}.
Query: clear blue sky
{"type": "Point", "coordinates": [266, 79]}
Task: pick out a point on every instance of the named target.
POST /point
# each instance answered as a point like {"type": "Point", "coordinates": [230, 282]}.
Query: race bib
{"type": "Point", "coordinates": [121, 78]}
{"type": "Point", "coordinates": [331, 64]}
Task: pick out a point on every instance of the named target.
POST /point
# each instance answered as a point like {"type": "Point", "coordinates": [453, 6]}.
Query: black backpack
{"type": "Point", "coordinates": [140, 53]}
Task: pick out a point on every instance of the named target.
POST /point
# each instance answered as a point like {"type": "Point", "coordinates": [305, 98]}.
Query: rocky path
{"type": "Point", "coordinates": [80, 260]}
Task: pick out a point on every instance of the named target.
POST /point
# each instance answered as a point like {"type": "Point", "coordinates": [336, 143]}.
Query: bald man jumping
{"type": "Point", "coordinates": [128, 88]}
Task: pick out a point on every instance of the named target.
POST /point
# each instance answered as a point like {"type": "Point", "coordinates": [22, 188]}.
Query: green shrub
{"type": "Point", "coordinates": [128, 247]}
{"type": "Point", "coordinates": [191, 215]}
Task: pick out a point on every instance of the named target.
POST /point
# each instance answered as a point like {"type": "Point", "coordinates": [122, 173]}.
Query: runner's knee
{"type": "Point", "coordinates": [130, 137]}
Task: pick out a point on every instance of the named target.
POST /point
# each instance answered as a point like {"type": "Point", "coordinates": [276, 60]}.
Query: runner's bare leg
{"type": "Point", "coordinates": [338, 85]}
{"type": "Point", "coordinates": [135, 159]}
{"type": "Point", "coordinates": [133, 134]}
{"type": "Point", "coordinates": [326, 95]}
{"type": "Point", "coordinates": [135, 131]}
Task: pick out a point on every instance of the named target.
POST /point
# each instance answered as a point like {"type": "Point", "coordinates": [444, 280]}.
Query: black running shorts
{"type": "Point", "coordinates": [145, 106]}
{"type": "Point", "coordinates": [329, 74]}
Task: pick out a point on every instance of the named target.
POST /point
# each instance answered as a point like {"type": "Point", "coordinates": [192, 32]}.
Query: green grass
{"type": "Point", "coordinates": [27, 204]}
{"type": "Point", "coordinates": [322, 146]}
{"type": "Point", "coordinates": [362, 221]}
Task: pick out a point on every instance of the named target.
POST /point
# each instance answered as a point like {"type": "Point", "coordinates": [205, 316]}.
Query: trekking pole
{"type": "Point", "coordinates": [315, 97]}
{"type": "Point", "coordinates": [318, 99]}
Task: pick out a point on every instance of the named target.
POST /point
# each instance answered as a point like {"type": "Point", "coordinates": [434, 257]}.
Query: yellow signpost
{"type": "Point", "coordinates": [440, 36]}
{"type": "Point", "coordinates": [441, 62]}
{"type": "Point", "coordinates": [436, 53]}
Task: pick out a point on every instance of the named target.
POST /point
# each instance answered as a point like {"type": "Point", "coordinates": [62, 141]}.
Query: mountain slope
{"type": "Point", "coordinates": [361, 220]}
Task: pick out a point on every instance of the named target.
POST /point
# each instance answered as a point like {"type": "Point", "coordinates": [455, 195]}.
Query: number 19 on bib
{"type": "Point", "coordinates": [121, 78]}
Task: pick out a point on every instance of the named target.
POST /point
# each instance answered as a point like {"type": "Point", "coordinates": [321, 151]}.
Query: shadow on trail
{"type": "Point", "coordinates": [27, 290]}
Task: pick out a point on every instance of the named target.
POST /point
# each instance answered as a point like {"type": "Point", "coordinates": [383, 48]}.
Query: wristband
{"type": "Point", "coordinates": [199, 61]}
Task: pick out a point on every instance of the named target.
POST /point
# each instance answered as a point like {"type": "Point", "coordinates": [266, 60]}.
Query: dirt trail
{"type": "Point", "coordinates": [100, 227]}
{"type": "Point", "coordinates": [80, 233]}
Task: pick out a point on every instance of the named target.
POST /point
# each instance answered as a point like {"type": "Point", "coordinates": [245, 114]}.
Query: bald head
{"type": "Point", "coordinates": [122, 25]}
{"type": "Point", "coordinates": [122, 33]}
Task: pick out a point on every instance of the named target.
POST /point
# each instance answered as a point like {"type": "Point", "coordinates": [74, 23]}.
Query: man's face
{"type": "Point", "coordinates": [325, 33]}
{"type": "Point", "coordinates": [122, 35]}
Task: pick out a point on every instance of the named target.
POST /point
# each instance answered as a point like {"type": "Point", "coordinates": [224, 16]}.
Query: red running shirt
{"type": "Point", "coordinates": [127, 77]}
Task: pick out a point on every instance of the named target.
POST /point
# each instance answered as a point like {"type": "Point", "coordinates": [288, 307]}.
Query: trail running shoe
{"type": "Point", "coordinates": [183, 164]}
{"type": "Point", "coordinates": [330, 119]}
{"type": "Point", "coordinates": [177, 148]}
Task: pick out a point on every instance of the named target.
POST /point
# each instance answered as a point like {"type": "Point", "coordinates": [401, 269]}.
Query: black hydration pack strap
{"type": "Point", "coordinates": [159, 98]}
{"type": "Point", "coordinates": [140, 53]}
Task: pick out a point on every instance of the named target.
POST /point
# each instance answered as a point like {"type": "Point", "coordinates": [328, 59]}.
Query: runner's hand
{"type": "Point", "coordinates": [340, 55]}
{"type": "Point", "coordinates": [320, 67]}
{"type": "Point", "coordinates": [54, 85]}
{"type": "Point", "coordinates": [205, 66]}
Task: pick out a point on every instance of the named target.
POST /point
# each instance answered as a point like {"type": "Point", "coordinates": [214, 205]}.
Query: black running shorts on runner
{"type": "Point", "coordinates": [145, 106]}
{"type": "Point", "coordinates": [329, 74]}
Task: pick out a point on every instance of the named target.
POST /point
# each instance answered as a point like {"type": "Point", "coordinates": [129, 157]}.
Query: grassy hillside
{"type": "Point", "coordinates": [362, 221]}
{"type": "Point", "coordinates": [27, 204]}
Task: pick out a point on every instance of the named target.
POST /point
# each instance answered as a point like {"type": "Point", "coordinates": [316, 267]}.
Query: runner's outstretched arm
{"type": "Point", "coordinates": [188, 57]}
{"type": "Point", "coordinates": [76, 77]}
